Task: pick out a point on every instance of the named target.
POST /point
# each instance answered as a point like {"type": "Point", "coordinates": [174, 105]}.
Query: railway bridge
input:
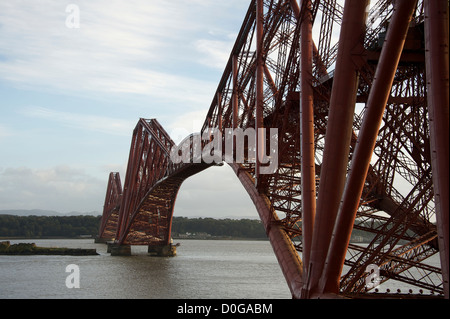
{"type": "Point", "coordinates": [354, 96]}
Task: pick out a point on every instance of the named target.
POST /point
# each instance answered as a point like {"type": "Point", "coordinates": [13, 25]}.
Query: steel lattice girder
{"type": "Point", "coordinates": [111, 207]}
{"type": "Point", "coordinates": [288, 71]}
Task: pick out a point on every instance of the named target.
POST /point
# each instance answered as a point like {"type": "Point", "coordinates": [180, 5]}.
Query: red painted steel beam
{"type": "Point", "coordinates": [287, 256]}
{"type": "Point", "coordinates": [110, 208]}
{"type": "Point", "coordinates": [308, 174]}
{"type": "Point", "coordinates": [147, 164]}
{"type": "Point", "coordinates": [235, 100]}
{"type": "Point", "coordinates": [220, 115]}
{"type": "Point", "coordinates": [128, 185]}
{"type": "Point", "coordinates": [378, 98]}
{"type": "Point", "coordinates": [259, 120]}
{"type": "Point", "coordinates": [296, 11]}
{"type": "Point", "coordinates": [436, 59]}
{"type": "Point", "coordinates": [338, 135]}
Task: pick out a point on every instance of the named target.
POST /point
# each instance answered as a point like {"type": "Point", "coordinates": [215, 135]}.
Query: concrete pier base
{"type": "Point", "coordinates": [163, 251]}
{"type": "Point", "coordinates": [119, 250]}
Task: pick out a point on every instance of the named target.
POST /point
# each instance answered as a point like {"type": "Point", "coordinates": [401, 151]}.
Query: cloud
{"type": "Point", "coordinates": [128, 59]}
{"type": "Point", "coordinates": [214, 53]}
{"type": "Point", "coordinates": [185, 124]}
{"type": "Point", "coordinates": [214, 192]}
{"type": "Point", "coordinates": [5, 132]}
{"type": "Point", "coordinates": [60, 188]}
{"type": "Point", "coordinates": [119, 48]}
{"type": "Point", "coordinates": [102, 124]}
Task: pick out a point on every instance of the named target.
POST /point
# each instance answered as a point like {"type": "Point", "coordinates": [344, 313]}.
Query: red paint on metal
{"type": "Point", "coordinates": [338, 136]}
{"type": "Point", "coordinates": [113, 199]}
{"type": "Point", "coordinates": [261, 89]}
{"type": "Point", "coordinates": [378, 97]}
{"type": "Point", "coordinates": [307, 133]}
{"type": "Point", "coordinates": [437, 38]}
{"type": "Point", "coordinates": [259, 104]}
{"type": "Point", "coordinates": [287, 257]}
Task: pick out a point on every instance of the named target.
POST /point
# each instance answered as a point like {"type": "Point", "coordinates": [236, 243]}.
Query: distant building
{"type": "Point", "coordinates": [200, 235]}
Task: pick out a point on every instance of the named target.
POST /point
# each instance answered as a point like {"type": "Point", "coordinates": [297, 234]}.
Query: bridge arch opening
{"type": "Point", "coordinates": [214, 193]}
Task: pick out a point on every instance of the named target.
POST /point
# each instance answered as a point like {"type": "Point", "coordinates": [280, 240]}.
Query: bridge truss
{"type": "Point", "coordinates": [359, 97]}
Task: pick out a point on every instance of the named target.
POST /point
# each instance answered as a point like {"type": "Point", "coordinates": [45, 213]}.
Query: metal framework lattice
{"type": "Point", "coordinates": [359, 95]}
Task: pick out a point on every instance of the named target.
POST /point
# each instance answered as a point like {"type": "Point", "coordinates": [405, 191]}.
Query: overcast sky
{"type": "Point", "coordinates": [71, 97]}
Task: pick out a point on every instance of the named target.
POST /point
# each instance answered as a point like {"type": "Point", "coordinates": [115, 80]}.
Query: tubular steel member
{"type": "Point", "coordinates": [339, 132]}
{"type": "Point", "coordinates": [378, 97]}
{"type": "Point", "coordinates": [259, 104]}
{"type": "Point", "coordinates": [436, 33]}
{"type": "Point", "coordinates": [307, 132]}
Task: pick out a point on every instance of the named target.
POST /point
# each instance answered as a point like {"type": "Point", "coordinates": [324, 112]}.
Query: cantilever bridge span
{"type": "Point", "coordinates": [358, 94]}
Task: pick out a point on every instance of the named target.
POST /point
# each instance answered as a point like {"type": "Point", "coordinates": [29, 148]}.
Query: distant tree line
{"type": "Point", "coordinates": [238, 228]}
{"type": "Point", "coordinates": [75, 226]}
{"type": "Point", "coordinates": [48, 226]}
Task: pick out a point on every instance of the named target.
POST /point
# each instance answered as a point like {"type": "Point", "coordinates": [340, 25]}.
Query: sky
{"type": "Point", "coordinates": [76, 76]}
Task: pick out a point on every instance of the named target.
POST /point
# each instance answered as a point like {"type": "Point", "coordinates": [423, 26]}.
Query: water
{"type": "Point", "coordinates": [203, 269]}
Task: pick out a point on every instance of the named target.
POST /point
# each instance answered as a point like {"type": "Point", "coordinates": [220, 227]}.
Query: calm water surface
{"type": "Point", "coordinates": [202, 269]}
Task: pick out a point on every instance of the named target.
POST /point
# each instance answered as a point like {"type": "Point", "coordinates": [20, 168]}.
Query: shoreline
{"type": "Point", "coordinates": [30, 249]}
{"type": "Point", "coordinates": [174, 238]}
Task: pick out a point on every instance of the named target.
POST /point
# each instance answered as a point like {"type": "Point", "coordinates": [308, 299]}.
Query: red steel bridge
{"type": "Point", "coordinates": [359, 95]}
